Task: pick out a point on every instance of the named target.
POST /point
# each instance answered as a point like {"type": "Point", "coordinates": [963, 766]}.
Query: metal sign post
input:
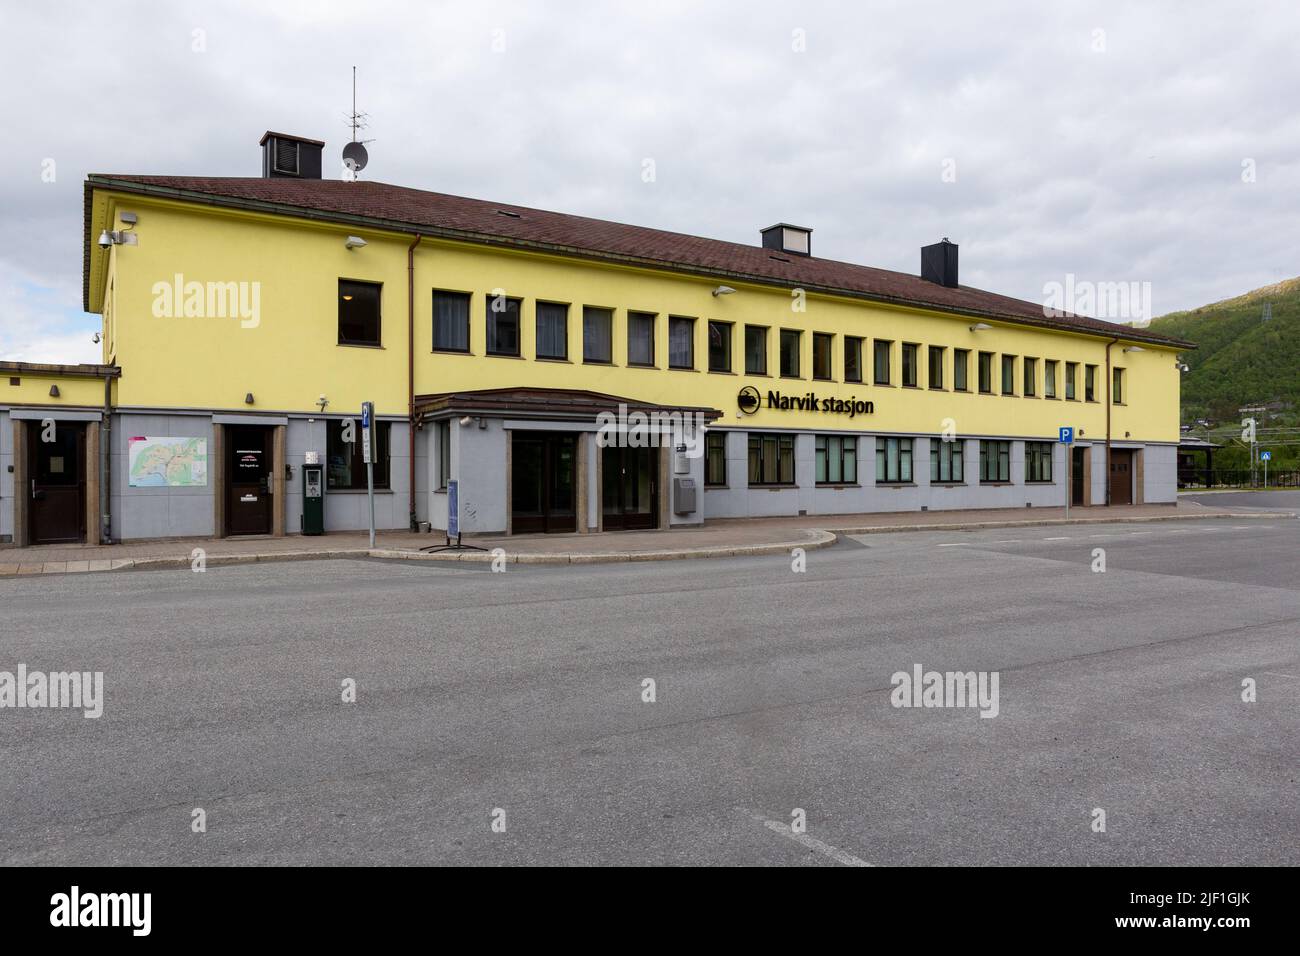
{"type": "Point", "coordinates": [1066, 438]}
{"type": "Point", "coordinates": [367, 416]}
{"type": "Point", "coordinates": [1266, 457]}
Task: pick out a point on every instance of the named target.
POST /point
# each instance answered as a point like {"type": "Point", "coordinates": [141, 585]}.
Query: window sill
{"type": "Point", "coordinates": [607, 364]}
{"type": "Point", "coordinates": [793, 378]}
{"type": "Point", "coordinates": [1039, 482]}
{"type": "Point", "coordinates": [642, 365]}
{"type": "Point", "coordinates": [359, 345]}
{"type": "Point", "coordinates": [750, 374]}
{"type": "Point", "coordinates": [681, 368]}
{"type": "Point", "coordinates": [451, 351]}
{"type": "Point", "coordinates": [916, 387]}
{"type": "Point", "coordinates": [755, 487]}
{"type": "Point", "coordinates": [818, 378]}
{"type": "Point", "coordinates": [716, 487]}
{"type": "Point", "coordinates": [506, 355]}
{"type": "Point", "coordinates": [548, 358]}
{"type": "Point", "coordinates": [883, 384]}
{"type": "Point", "coordinates": [837, 485]}
{"type": "Point", "coordinates": [854, 381]}
{"type": "Point", "coordinates": [896, 484]}
{"type": "Point", "coordinates": [721, 371]}
{"type": "Point", "coordinates": [937, 388]}
{"type": "Point", "coordinates": [947, 484]}
{"type": "Point", "coordinates": [998, 484]}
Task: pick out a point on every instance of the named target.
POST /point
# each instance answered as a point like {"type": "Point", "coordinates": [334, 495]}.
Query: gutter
{"type": "Point", "coordinates": [410, 378]}
{"type": "Point", "coordinates": [573, 252]}
{"type": "Point", "coordinates": [106, 456]}
{"type": "Point", "coordinates": [1110, 381]}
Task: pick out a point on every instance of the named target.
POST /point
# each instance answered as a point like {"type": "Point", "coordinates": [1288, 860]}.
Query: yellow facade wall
{"type": "Point", "coordinates": [74, 391]}
{"type": "Point", "coordinates": [291, 356]}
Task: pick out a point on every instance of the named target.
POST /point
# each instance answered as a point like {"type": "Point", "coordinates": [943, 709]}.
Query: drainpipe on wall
{"type": "Point", "coordinates": [1109, 383]}
{"type": "Point", "coordinates": [410, 379]}
{"type": "Point", "coordinates": [106, 453]}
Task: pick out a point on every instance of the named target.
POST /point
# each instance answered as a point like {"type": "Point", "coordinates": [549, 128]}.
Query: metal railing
{"type": "Point", "coordinates": [1236, 478]}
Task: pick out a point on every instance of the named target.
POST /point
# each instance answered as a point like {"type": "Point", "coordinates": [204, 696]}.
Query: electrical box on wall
{"type": "Point", "coordinates": [684, 496]}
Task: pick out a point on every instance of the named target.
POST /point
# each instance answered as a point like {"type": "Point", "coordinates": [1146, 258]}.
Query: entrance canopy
{"type": "Point", "coordinates": [548, 404]}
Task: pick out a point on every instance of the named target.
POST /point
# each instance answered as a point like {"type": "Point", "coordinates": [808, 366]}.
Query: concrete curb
{"type": "Point", "coordinates": [816, 539]}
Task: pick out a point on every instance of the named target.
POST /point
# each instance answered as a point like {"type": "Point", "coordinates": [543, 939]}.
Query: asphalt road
{"type": "Point", "coordinates": [523, 691]}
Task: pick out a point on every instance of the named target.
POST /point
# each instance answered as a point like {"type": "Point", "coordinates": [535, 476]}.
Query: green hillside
{"type": "Point", "coordinates": [1241, 359]}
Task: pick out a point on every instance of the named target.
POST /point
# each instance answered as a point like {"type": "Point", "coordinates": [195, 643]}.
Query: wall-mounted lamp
{"type": "Point", "coordinates": [723, 290]}
{"type": "Point", "coordinates": [354, 242]}
{"type": "Point", "coordinates": [95, 338]}
{"type": "Point", "coordinates": [1134, 348]}
{"type": "Point", "coordinates": [248, 399]}
{"type": "Point", "coordinates": [1127, 434]}
{"type": "Point", "coordinates": [54, 391]}
{"type": "Point", "coordinates": [466, 421]}
{"type": "Point", "coordinates": [980, 327]}
{"type": "Point", "coordinates": [322, 401]}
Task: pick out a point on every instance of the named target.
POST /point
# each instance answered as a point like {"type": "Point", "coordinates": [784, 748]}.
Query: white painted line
{"type": "Point", "coordinates": [956, 544]}
{"type": "Point", "coordinates": [1101, 536]}
{"type": "Point", "coordinates": [1141, 532]}
{"type": "Point", "coordinates": [825, 849]}
{"type": "Point", "coordinates": [1008, 541]}
{"type": "Point", "coordinates": [1056, 539]}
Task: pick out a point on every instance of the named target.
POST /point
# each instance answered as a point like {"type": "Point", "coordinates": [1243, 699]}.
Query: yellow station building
{"type": "Point", "coordinates": [246, 320]}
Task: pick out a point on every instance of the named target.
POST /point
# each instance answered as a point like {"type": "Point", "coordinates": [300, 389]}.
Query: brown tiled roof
{"type": "Point", "coordinates": [545, 402]}
{"type": "Point", "coordinates": [381, 205]}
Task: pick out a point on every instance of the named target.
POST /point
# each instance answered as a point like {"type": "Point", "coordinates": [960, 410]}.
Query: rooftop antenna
{"type": "Point", "coordinates": [354, 153]}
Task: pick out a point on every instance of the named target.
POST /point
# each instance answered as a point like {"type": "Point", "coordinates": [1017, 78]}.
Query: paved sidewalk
{"type": "Point", "coordinates": [719, 538]}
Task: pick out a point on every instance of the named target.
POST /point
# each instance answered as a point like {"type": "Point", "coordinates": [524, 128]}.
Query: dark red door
{"type": "Point", "coordinates": [248, 479]}
{"type": "Point", "coordinates": [57, 487]}
{"type": "Point", "coordinates": [1121, 476]}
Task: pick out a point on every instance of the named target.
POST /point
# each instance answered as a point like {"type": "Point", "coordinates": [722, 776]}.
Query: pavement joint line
{"type": "Point", "coordinates": [825, 849]}
{"type": "Point", "coordinates": [1057, 539]}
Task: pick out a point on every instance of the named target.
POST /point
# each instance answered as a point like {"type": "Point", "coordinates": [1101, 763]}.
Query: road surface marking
{"type": "Point", "coordinates": [1056, 539]}
{"type": "Point", "coordinates": [954, 544]}
{"type": "Point", "coordinates": [1141, 532]}
{"type": "Point", "coordinates": [825, 849]}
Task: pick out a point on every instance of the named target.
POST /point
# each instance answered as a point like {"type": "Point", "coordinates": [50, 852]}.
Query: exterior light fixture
{"type": "Point", "coordinates": [723, 290]}
{"type": "Point", "coordinates": [95, 338]}
{"type": "Point", "coordinates": [54, 391]}
{"type": "Point", "coordinates": [322, 401]}
{"type": "Point", "coordinates": [980, 327]}
{"type": "Point", "coordinates": [248, 399]}
{"type": "Point", "coordinates": [354, 242]}
{"type": "Point", "coordinates": [466, 421]}
{"type": "Point", "coordinates": [1134, 348]}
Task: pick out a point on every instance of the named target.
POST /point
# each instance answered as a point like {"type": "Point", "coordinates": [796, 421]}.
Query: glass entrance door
{"type": "Point", "coordinates": [248, 480]}
{"type": "Point", "coordinates": [543, 482]}
{"type": "Point", "coordinates": [57, 486]}
{"type": "Point", "coordinates": [629, 488]}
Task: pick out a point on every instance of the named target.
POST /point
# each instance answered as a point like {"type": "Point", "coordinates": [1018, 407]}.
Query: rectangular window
{"type": "Point", "coordinates": [1117, 386]}
{"type": "Point", "coordinates": [681, 342]}
{"type": "Point", "coordinates": [450, 321]}
{"type": "Point", "coordinates": [755, 350]}
{"type": "Point", "coordinates": [358, 312]}
{"type": "Point", "coordinates": [837, 459]}
{"type": "Point", "coordinates": [946, 461]}
{"type": "Point", "coordinates": [502, 325]}
{"type": "Point", "coordinates": [1008, 375]}
{"type": "Point", "coordinates": [960, 369]}
{"type": "Point", "coordinates": [893, 461]}
{"type": "Point", "coordinates": [986, 373]}
{"type": "Point", "coordinates": [995, 461]}
{"type": "Point", "coordinates": [909, 364]}
{"type": "Point", "coordinates": [597, 335]}
{"type": "Point", "coordinates": [344, 469]}
{"type": "Point", "coordinates": [444, 454]}
{"type": "Point", "coordinates": [791, 344]}
{"type": "Point", "coordinates": [1038, 461]}
{"type": "Point", "coordinates": [552, 330]}
{"type": "Point", "coordinates": [852, 358]}
{"type": "Point", "coordinates": [1049, 378]}
{"type": "Point", "coordinates": [1031, 377]}
{"type": "Point", "coordinates": [771, 459]}
{"type": "Point", "coordinates": [1071, 373]}
{"type": "Point", "coordinates": [1090, 383]}
{"type": "Point", "coordinates": [881, 357]}
{"type": "Point", "coordinates": [641, 338]}
{"type": "Point", "coordinates": [719, 346]}
{"type": "Point", "coordinates": [715, 459]}
{"type": "Point", "coordinates": [936, 366]}
{"type": "Point", "coordinates": [822, 356]}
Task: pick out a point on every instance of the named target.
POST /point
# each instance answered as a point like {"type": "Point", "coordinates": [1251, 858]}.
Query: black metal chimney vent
{"type": "Point", "coordinates": [939, 263]}
{"type": "Point", "coordinates": [291, 157]}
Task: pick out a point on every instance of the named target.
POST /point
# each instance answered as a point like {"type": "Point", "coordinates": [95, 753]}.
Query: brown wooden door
{"type": "Point", "coordinates": [1121, 476]}
{"type": "Point", "coordinates": [248, 479]}
{"type": "Point", "coordinates": [543, 482]}
{"type": "Point", "coordinates": [57, 487]}
{"type": "Point", "coordinates": [629, 497]}
{"type": "Point", "coordinates": [1076, 476]}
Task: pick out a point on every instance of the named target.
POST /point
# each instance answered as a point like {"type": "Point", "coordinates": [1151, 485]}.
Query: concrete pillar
{"type": "Point", "coordinates": [217, 469]}
{"type": "Point", "coordinates": [94, 520]}
{"type": "Point", "coordinates": [22, 489]}
{"type": "Point", "coordinates": [279, 459]}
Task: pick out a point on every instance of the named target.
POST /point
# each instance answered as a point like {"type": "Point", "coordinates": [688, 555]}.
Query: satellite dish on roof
{"type": "Point", "coordinates": [354, 157]}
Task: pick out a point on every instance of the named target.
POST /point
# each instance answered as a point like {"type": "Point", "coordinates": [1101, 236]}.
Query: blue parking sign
{"type": "Point", "coordinates": [1067, 435]}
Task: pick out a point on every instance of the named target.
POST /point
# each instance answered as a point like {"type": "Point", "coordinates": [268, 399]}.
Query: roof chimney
{"type": "Point", "coordinates": [291, 157]}
{"type": "Point", "coordinates": [939, 263]}
{"type": "Point", "coordinates": [784, 237]}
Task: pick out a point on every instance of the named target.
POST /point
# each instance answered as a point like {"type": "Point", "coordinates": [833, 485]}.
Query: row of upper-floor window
{"type": "Point", "coordinates": [770, 460]}
{"type": "Point", "coordinates": [1022, 375]}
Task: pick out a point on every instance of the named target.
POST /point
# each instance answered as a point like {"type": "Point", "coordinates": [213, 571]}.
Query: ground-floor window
{"type": "Point", "coordinates": [893, 460]}
{"type": "Point", "coordinates": [444, 453]}
{"type": "Point", "coordinates": [1038, 461]}
{"type": "Point", "coordinates": [995, 461]}
{"type": "Point", "coordinates": [946, 461]}
{"type": "Point", "coordinates": [715, 459]}
{"type": "Point", "coordinates": [771, 459]}
{"type": "Point", "coordinates": [346, 469]}
{"type": "Point", "coordinates": [837, 459]}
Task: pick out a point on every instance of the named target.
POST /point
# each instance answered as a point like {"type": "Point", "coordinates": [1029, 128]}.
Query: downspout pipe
{"type": "Point", "coordinates": [1110, 381]}
{"type": "Point", "coordinates": [410, 379]}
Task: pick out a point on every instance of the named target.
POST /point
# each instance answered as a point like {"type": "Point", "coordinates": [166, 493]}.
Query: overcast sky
{"type": "Point", "coordinates": [1105, 140]}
